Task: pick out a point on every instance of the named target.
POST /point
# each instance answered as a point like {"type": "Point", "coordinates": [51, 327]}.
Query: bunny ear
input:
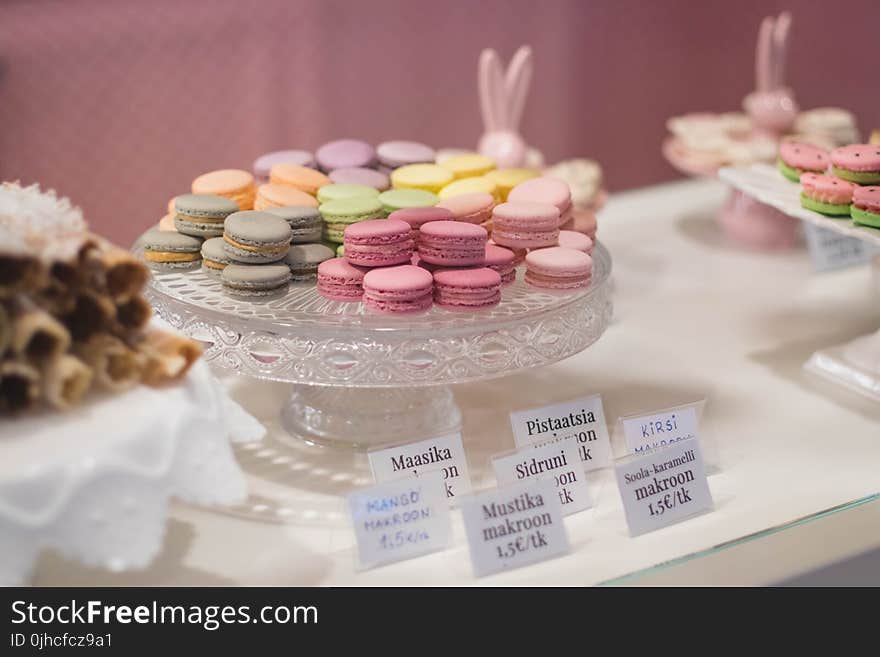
{"type": "Point", "coordinates": [762, 54]}
{"type": "Point", "coordinates": [780, 43]}
{"type": "Point", "coordinates": [516, 85]}
{"type": "Point", "coordinates": [491, 86]}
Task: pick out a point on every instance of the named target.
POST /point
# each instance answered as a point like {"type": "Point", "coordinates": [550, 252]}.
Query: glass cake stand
{"type": "Point", "coordinates": [855, 364]}
{"type": "Point", "coordinates": [361, 379]}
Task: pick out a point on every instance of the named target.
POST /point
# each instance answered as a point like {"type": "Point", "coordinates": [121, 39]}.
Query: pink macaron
{"type": "Point", "coordinates": [339, 280]}
{"type": "Point", "coordinates": [545, 189]}
{"type": "Point", "coordinates": [558, 268]}
{"type": "Point", "coordinates": [452, 243]}
{"type": "Point", "coordinates": [503, 261]}
{"type": "Point", "coordinates": [827, 189]}
{"type": "Point", "coordinates": [858, 163]}
{"type": "Point", "coordinates": [473, 208]}
{"type": "Point", "coordinates": [867, 198]}
{"type": "Point", "coordinates": [525, 225]}
{"type": "Point", "coordinates": [361, 176]}
{"type": "Point", "coordinates": [467, 289]}
{"type": "Point", "coordinates": [378, 243]}
{"type": "Point", "coordinates": [804, 157]}
{"type": "Point", "coordinates": [400, 289]}
{"type": "Point", "coordinates": [574, 240]}
{"type": "Point", "coordinates": [418, 217]}
{"type": "Point", "coordinates": [582, 221]}
{"type": "Point", "coordinates": [519, 255]}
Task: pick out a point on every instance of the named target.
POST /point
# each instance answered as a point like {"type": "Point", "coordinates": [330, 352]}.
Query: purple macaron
{"type": "Point", "coordinates": [361, 176]}
{"type": "Point", "coordinates": [344, 154]}
{"type": "Point", "coordinates": [393, 154]}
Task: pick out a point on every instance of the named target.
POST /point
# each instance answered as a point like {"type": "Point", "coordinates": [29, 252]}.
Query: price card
{"type": "Point", "coordinates": [662, 487]}
{"type": "Point", "coordinates": [514, 526]}
{"type": "Point", "coordinates": [557, 462]}
{"type": "Point", "coordinates": [830, 250]}
{"type": "Point", "coordinates": [659, 429]}
{"type": "Point", "coordinates": [581, 419]}
{"type": "Point", "coordinates": [444, 454]}
{"type": "Point", "coordinates": [401, 519]}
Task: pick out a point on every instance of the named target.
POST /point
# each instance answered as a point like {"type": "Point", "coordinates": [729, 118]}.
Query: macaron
{"type": "Point", "coordinates": [468, 165]}
{"type": "Point", "coordinates": [361, 176]}
{"type": "Point", "coordinates": [394, 154]}
{"type": "Point", "coordinates": [378, 243]}
{"type": "Point", "coordinates": [255, 280]}
{"type": "Point", "coordinates": [336, 191]}
{"type": "Point", "coordinates": [417, 217]}
{"type": "Point", "coordinates": [506, 179]}
{"type": "Point", "coordinates": [305, 223]}
{"type": "Point", "coordinates": [302, 178]}
{"type": "Point", "coordinates": [865, 208]}
{"type": "Point", "coordinates": [796, 158]}
{"type": "Point", "coordinates": [167, 223]}
{"type": "Point", "coordinates": [467, 289]}
{"type": "Point", "coordinates": [545, 190]}
{"type": "Point", "coordinates": [341, 213]}
{"type": "Point", "coordinates": [398, 290]}
{"type": "Point", "coordinates": [397, 199]}
{"type": "Point", "coordinates": [525, 225]}
{"type": "Point", "coordinates": [452, 243]}
{"type": "Point", "coordinates": [165, 250]}
{"type": "Point", "coordinates": [340, 251]}
{"type": "Point", "coordinates": [339, 280]}
{"type": "Point", "coordinates": [469, 186]}
{"type": "Point", "coordinates": [519, 255]}
{"type": "Point", "coordinates": [202, 215]}
{"type": "Point", "coordinates": [446, 153]}
{"type": "Point", "coordinates": [501, 260]}
{"type": "Point", "coordinates": [558, 268]}
{"type": "Point", "coordinates": [826, 194]}
{"type": "Point", "coordinates": [303, 260]}
{"type": "Point", "coordinates": [345, 153]}
{"type": "Point", "coordinates": [264, 163]}
{"type": "Point", "coordinates": [858, 163]}
{"type": "Point", "coordinates": [571, 239]}
{"type": "Point", "coordinates": [236, 184]}
{"type": "Point", "coordinates": [582, 221]}
{"type": "Point", "coordinates": [272, 195]}
{"type": "Point", "coordinates": [214, 258]}
{"type": "Point", "coordinates": [473, 208]}
{"type": "Point", "coordinates": [254, 237]}
{"type": "Point", "coordinates": [427, 177]}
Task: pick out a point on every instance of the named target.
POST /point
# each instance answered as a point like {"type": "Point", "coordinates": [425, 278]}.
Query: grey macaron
{"type": "Point", "coordinates": [202, 215]}
{"type": "Point", "coordinates": [254, 237]}
{"type": "Point", "coordinates": [255, 280]}
{"type": "Point", "coordinates": [165, 250]}
{"type": "Point", "coordinates": [305, 223]}
{"type": "Point", "coordinates": [303, 260]}
{"type": "Point", "coordinates": [214, 258]}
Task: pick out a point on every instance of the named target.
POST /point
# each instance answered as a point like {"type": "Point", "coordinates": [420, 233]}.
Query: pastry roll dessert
{"type": "Point", "coordinates": [66, 380]}
{"type": "Point", "coordinates": [114, 364]}
{"type": "Point", "coordinates": [91, 313]}
{"type": "Point", "coordinates": [34, 335]}
{"type": "Point", "coordinates": [19, 386]}
{"type": "Point", "coordinates": [168, 357]}
{"type": "Point", "coordinates": [132, 315]}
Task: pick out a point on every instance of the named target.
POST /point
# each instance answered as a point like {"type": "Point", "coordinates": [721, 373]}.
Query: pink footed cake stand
{"type": "Point", "coordinates": [360, 379]}
{"type": "Point", "coordinates": [856, 364]}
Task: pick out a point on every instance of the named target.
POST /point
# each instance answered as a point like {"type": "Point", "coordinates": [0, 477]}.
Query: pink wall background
{"type": "Point", "coordinates": [120, 104]}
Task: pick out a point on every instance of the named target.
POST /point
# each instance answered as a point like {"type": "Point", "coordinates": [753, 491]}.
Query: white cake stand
{"type": "Point", "coordinates": [855, 364]}
{"type": "Point", "coordinates": [361, 378]}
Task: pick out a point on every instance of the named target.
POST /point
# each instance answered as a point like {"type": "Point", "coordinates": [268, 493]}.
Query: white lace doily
{"type": "Point", "coordinates": [94, 483]}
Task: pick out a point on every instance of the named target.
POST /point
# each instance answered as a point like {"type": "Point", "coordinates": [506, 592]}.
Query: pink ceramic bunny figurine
{"type": "Point", "coordinates": [502, 100]}
{"type": "Point", "coordinates": [771, 106]}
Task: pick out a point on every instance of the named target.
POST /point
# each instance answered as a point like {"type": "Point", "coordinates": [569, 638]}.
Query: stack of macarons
{"type": "Point", "coordinates": [842, 183]}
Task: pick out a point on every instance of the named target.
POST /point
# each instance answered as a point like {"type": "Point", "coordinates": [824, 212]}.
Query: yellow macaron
{"type": "Point", "coordinates": [428, 177]}
{"type": "Point", "coordinates": [469, 186]}
{"type": "Point", "coordinates": [468, 165]}
{"type": "Point", "coordinates": [507, 179]}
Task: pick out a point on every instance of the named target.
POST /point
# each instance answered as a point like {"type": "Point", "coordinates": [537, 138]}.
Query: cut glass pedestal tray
{"type": "Point", "coordinates": [361, 378]}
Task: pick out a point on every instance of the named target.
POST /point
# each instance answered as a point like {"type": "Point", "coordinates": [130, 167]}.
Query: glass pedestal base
{"type": "Point", "coordinates": [362, 418]}
{"type": "Point", "coordinates": [750, 223]}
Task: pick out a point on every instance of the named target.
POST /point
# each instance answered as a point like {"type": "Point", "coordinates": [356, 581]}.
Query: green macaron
{"type": "Point", "coordinates": [202, 215]}
{"type": "Point", "coordinates": [398, 199]}
{"type": "Point", "coordinates": [166, 250]}
{"type": "Point", "coordinates": [345, 190]}
{"type": "Point", "coordinates": [346, 211]}
{"type": "Point", "coordinates": [255, 280]}
{"type": "Point", "coordinates": [791, 173]}
{"type": "Point", "coordinates": [831, 209]}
